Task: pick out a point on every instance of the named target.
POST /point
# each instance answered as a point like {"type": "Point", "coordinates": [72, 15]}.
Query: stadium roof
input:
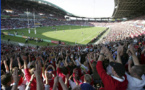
{"type": "Point", "coordinates": [123, 8]}
{"type": "Point", "coordinates": [129, 8]}
{"type": "Point", "coordinates": [53, 5]}
{"type": "Point", "coordinates": [43, 5]}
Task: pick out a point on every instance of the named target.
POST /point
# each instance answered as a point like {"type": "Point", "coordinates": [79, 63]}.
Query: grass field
{"type": "Point", "coordinates": [67, 34]}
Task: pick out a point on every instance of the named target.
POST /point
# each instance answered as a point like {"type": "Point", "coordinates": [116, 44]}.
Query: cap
{"type": "Point", "coordinates": [118, 68]}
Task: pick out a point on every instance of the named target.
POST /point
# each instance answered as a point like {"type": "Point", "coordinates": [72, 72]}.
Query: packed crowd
{"type": "Point", "coordinates": [17, 23]}
{"type": "Point", "coordinates": [118, 64]}
{"type": "Point", "coordinates": [7, 24]}
{"type": "Point", "coordinates": [113, 66]}
{"type": "Point", "coordinates": [124, 30]}
{"type": "Point", "coordinates": [13, 24]}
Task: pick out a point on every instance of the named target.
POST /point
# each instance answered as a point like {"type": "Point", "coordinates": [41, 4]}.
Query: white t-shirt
{"type": "Point", "coordinates": [134, 83]}
{"type": "Point", "coordinates": [72, 84]}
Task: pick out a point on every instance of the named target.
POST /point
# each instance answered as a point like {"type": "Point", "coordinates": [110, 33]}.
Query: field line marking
{"type": "Point", "coordinates": [87, 38]}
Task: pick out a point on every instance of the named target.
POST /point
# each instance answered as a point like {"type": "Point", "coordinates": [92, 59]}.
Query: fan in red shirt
{"type": "Point", "coordinates": [76, 75]}
{"type": "Point", "coordinates": [28, 74]}
{"type": "Point", "coordinates": [116, 82]}
{"type": "Point", "coordinates": [51, 75]}
{"type": "Point", "coordinates": [62, 72]}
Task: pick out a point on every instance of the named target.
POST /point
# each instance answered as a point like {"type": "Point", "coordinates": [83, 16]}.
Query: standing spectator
{"type": "Point", "coordinates": [116, 82]}
{"type": "Point", "coordinates": [136, 79]}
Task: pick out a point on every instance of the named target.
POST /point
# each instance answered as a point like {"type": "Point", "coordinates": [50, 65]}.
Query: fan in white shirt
{"type": "Point", "coordinates": [136, 79]}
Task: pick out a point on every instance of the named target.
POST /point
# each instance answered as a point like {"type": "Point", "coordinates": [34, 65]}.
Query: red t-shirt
{"type": "Point", "coordinates": [20, 81]}
{"type": "Point", "coordinates": [51, 81]}
{"type": "Point", "coordinates": [77, 70]}
{"type": "Point", "coordinates": [109, 82]}
{"type": "Point", "coordinates": [142, 60]}
{"type": "Point", "coordinates": [143, 43]}
{"type": "Point", "coordinates": [78, 81]}
{"type": "Point", "coordinates": [136, 46]}
{"type": "Point", "coordinates": [60, 74]}
{"type": "Point", "coordinates": [28, 77]}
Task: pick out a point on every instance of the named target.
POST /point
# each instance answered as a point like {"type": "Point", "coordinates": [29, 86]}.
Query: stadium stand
{"type": "Point", "coordinates": [116, 63]}
{"type": "Point", "coordinates": [123, 30]}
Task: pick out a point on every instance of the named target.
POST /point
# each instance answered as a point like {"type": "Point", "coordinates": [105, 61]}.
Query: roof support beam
{"type": "Point", "coordinates": [126, 10]}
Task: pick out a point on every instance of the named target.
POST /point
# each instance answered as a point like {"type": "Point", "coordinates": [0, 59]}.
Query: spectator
{"type": "Point", "coordinates": [116, 82]}
{"type": "Point", "coordinates": [136, 79]}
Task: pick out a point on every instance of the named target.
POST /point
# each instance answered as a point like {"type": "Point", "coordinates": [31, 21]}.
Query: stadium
{"type": "Point", "coordinates": [72, 45]}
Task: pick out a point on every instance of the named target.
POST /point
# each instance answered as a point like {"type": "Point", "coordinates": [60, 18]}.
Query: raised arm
{"type": "Point", "coordinates": [135, 59]}
{"type": "Point", "coordinates": [37, 73]}
{"type": "Point", "coordinates": [108, 54]}
{"type": "Point", "coordinates": [11, 63]}
{"type": "Point", "coordinates": [43, 68]}
{"type": "Point", "coordinates": [73, 61]}
{"type": "Point", "coordinates": [16, 79]}
{"type": "Point", "coordinates": [101, 71]}
{"type": "Point", "coordinates": [63, 61]}
{"type": "Point", "coordinates": [39, 61]}
{"type": "Point", "coordinates": [55, 83]}
{"type": "Point", "coordinates": [119, 54]}
{"type": "Point", "coordinates": [47, 81]}
{"type": "Point", "coordinates": [94, 56]}
{"type": "Point", "coordinates": [129, 65]}
{"type": "Point", "coordinates": [25, 61]}
{"type": "Point", "coordinates": [66, 64]}
{"type": "Point", "coordinates": [19, 64]}
{"type": "Point", "coordinates": [90, 62]}
{"type": "Point", "coordinates": [66, 79]}
{"type": "Point", "coordinates": [6, 65]}
{"type": "Point", "coordinates": [102, 52]}
{"type": "Point", "coordinates": [63, 85]}
{"type": "Point", "coordinates": [58, 65]}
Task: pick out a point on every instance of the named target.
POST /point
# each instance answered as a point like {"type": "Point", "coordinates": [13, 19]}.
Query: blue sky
{"type": "Point", "coordinates": [87, 8]}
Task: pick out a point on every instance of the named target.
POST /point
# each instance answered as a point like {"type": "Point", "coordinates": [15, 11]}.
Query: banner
{"type": "Point", "coordinates": [56, 42]}
{"type": "Point", "coordinates": [18, 35]}
{"type": "Point", "coordinates": [37, 23]}
{"type": "Point", "coordinates": [24, 37]}
{"type": "Point", "coordinates": [5, 33]}
{"type": "Point", "coordinates": [11, 34]}
{"type": "Point", "coordinates": [62, 43]}
{"type": "Point", "coordinates": [21, 44]}
{"type": "Point", "coordinates": [46, 40]}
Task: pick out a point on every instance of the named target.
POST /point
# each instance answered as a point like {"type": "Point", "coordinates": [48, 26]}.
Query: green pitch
{"type": "Point", "coordinates": [67, 34]}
